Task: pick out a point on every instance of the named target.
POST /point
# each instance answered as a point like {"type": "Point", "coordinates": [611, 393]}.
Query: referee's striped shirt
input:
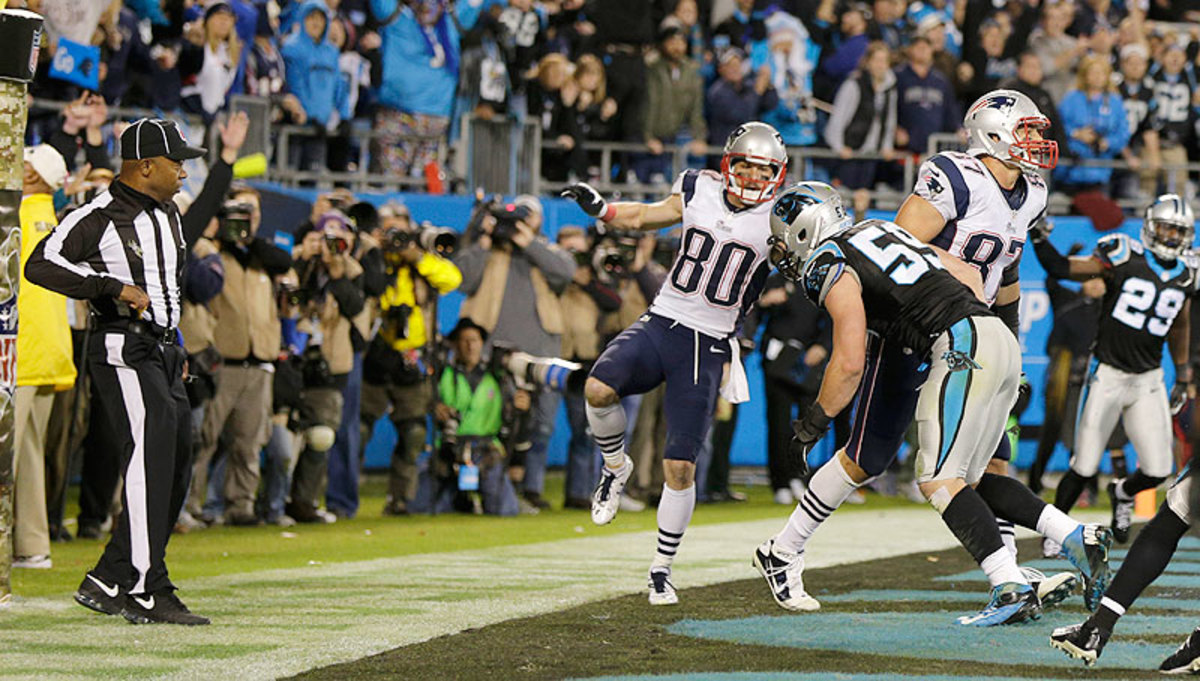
{"type": "Point", "coordinates": [120, 237]}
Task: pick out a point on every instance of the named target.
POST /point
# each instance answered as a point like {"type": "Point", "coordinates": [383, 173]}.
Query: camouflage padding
{"type": "Point", "coordinates": [13, 111]}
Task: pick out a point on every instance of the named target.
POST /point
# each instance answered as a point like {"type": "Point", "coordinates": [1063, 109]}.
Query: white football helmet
{"type": "Point", "coordinates": [999, 124]}
{"type": "Point", "coordinates": [804, 215]}
{"type": "Point", "coordinates": [757, 143]}
{"type": "Point", "coordinates": [1168, 227]}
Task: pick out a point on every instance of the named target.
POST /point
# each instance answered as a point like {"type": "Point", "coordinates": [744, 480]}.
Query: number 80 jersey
{"type": "Point", "coordinates": [722, 261]}
{"type": "Point", "coordinates": [1141, 302]}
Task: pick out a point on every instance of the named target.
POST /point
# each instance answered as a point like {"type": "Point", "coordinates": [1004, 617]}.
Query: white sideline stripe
{"type": "Point", "coordinates": [305, 629]}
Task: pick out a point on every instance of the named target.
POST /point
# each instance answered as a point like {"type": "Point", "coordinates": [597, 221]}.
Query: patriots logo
{"type": "Point", "coordinates": [957, 360]}
{"type": "Point", "coordinates": [1001, 102]}
{"type": "Point", "coordinates": [935, 187]}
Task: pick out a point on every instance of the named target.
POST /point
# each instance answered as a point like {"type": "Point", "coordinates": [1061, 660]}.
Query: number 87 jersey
{"type": "Point", "coordinates": [1140, 304]}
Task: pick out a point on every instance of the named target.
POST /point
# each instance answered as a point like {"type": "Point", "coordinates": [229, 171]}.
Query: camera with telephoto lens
{"type": "Point", "coordinates": [613, 252]}
{"type": "Point", "coordinates": [531, 373]}
{"type": "Point", "coordinates": [430, 238]}
{"type": "Point", "coordinates": [235, 222]}
{"type": "Point", "coordinates": [507, 216]}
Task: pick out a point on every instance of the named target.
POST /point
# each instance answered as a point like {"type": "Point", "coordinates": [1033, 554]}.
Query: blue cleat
{"type": "Point", "coordinates": [1087, 549]}
{"type": "Point", "coordinates": [1011, 603]}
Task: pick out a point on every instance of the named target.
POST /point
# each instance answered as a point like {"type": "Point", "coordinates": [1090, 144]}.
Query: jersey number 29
{"type": "Point", "coordinates": [1138, 296]}
{"type": "Point", "coordinates": [723, 276]}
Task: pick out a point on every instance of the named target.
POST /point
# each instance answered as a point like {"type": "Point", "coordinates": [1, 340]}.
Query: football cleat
{"type": "Point", "coordinates": [1087, 549]}
{"type": "Point", "coordinates": [1186, 660]}
{"type": "Point", "coordinates": [160, 607]}
{"type": "Point", "coordinates": [1011, 603]}
{"type": "Point", "coordinates": [1084, 641]}
{"type": "Point", "coordinates": [662, 591]}
{"type": "Point", "coordinates": [1122, 514]}
{"type": "Point", "coordinates": [96, 594]}
{"type": "Point", "coordinates": [606, 500]}
{"type": "Point", "coordinates": [1051, 590]}
{"type": "Point", "coordinates": [784, 572]}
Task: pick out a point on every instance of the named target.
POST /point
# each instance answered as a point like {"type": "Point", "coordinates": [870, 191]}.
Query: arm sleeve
{"type": "Point", "coordinates": [1056, 264]}
{"type": "Point", "coordinates": [349, 296]}
{"type": "Point", "coordinates": [204, 279]}
{"type": "Point", "coordinates": [96, 155]}
{"type": "Point", "coordinates": [441, 274]}
{"type": "Point", "coordinates": [58, 262]}
{"type": "Point", "coordinates": [557, 265]}
{"type": "Point", "coordinates": [208, 201]}
{"type": "Point", "coordinates": [1010, 314]}
{"type": "Point", "coordinates": [65, 144]}
{"type": "Point", "coordinates": [470, 262]}
{"type": "Point", "coordinates": [274, 260]}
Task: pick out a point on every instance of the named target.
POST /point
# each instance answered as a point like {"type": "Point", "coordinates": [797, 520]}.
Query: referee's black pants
{"type": "Point", "coordinates": [147, 425]}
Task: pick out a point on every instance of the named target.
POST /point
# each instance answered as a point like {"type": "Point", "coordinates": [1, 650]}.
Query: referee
{"type": "Point", "coordinates": [124, 252]}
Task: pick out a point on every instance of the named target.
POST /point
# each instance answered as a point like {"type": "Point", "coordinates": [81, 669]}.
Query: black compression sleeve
{"type": "Point", "coordinates": [1056, 264]}
{"type": "Point", "coordinates": [1010, 314]}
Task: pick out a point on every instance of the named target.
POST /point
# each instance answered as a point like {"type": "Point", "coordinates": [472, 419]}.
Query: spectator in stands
{"type": "Point", "coordinates": [1177, 93]}
{"type": "Point", "coordinates": [591, 114]}
{"type": "Point", "coordinates": [926, 101]}
{"type": "Point", "coordinates": [624, 31]}
{"type": "Point", "coordinates": [246, 334]}
{"type": "Point", "coordinates": [687, 14]}
{"type": "Point", "coordinates": [266, 74]}
{"type": "Point", "coordinates": [313, 76]}
{"type": "Point", "coordinates": [82, 121]}
{"type": "Point", "coordinates": [863, 122]}
{"type": "Point", "coordinates": [1094, 120]}
{"type": "Point", "coordinates": [744, 29]}
{"type": "Point", "coordinates": [420, 59]}
{"type": "Point", "coordinates": [210, 62]}
{"type": "Point", "coordinates": [792, 56]}
{"type": "Point", "coordinates": [588, 300]}
{"type": "Point", "coordinates": [395, 369]}
{"type": "Point", "coordinates": [992, 59]}
{"type": "Point", "coordinates": [546, 104]}
{"type": "Point", "coordinates": [891, 26]}
{"type": "Point", "coordinates": [122, 52]}
{"type": "Point", "coordinates": [44, 361]}
{"type": "Point", "coordinates": [512, 279]}
{"type": "Point", "coordinates": [736, 97]}
{"type": "Point", "coordinates": [1059, 52]}
{"type": "Point", "coordinates": [933, 30]}
{"type": "Point", "coordinates": [1029, 83]}
{"type": "Point", "coordinates": [675, 104]}
{"type": "Point", "coordinates": [332, 284]}
{"type": "Point", "coordinates": [1141, 109]}
{"type": "Point", "coordinates": [848, 46]}
{"type": "Point", "coordinates": [947, 18]}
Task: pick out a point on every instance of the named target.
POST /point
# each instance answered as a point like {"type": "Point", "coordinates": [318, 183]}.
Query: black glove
{"type": "Point", "coordinates": [1040, 230]}
{"type": "Point", "coordinates": [1179, 397]}
{"type": "Point", "coordinates": [588, 199]}
{"type": "Point", "coordinates": [1024, 392]}
{"type": "Point", "coordinates": [807, 431]}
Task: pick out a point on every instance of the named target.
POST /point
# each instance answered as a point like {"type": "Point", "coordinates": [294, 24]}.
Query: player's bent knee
{"type": "Point", "coordinates": [598, 394]}
{"type": "Point", "coordinates": [679, 475]}
{"type": "Point", "coordinates": [939, 493]}
{"type": "Point", "coordinates": [856, 472]}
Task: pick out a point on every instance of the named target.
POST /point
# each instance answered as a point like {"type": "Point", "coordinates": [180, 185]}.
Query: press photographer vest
{"type": "Point", "coordinates": [484, 307]}
{"type": "Point", "coordinates": [581, 337]}
{"type": "Point", "coordinates": [479, 409]}
{"type": "Point", "coordinates": [247, 320]}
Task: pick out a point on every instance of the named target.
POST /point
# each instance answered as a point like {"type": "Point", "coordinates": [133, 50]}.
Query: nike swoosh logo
{"type": "Point", "coordinates": [147, 604]}
{"type": "Point", "coordinates": [110, 591]}
{"type": "Point", "coordinates": [715, 350]}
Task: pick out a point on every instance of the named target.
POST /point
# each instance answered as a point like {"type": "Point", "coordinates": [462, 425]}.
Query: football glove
{"type": "Point", "coordinates": [1179, 397]}
{"type": "Point", "coordinates": [588, 199]}
{"type": "Point", "coordinates": [806, 433]}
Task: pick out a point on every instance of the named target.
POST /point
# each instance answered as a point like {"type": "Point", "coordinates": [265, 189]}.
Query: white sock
{"type": "Point", "coordinates": [608, 429]}
{"type": "Point", "coordinates": [1054, 524]}
{"type": "Point", "coordinates": [1001, 567]}
{"type": "Point", "coordinates": [1008, 534]}
{"type": "Point", "coordinates": [829, 487]}
{"type": "Point", "coordinates": [674, 514]}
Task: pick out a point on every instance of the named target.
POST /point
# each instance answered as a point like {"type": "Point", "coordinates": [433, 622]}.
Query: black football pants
{"type": "Point", "coordinates": [146, 424]}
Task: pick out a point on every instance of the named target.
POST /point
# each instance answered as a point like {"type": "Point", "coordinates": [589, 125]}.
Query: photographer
{"type": "Point", "coordinates": [512, 279]}
{"type": "Point", "coordinates": [589, 301]}
{"type": "Point", "coordinates": [396, 365]}
{"type": "Point", "coordinates": [470, 415]}
{"type": "Point", "coordinates": [330, 282]}
{"type": "Point", "coordinates": [246, 334]}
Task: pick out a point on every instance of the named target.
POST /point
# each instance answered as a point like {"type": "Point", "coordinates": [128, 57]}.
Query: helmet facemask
{"type": "Point", "coordinates": [751, 190]}
{"type": "Point", "coordinates": [1032, 153]}
{"type": "Point", "coordinates": [1166, 239]}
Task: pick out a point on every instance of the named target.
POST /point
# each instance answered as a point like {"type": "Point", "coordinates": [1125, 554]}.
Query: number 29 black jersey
{"type": "Point", "coordinates": [1141, 303]}
{"type": "Point", "coordinates": [909, 297]}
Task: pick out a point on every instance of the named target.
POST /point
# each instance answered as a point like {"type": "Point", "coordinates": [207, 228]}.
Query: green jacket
{"type": "Point", "coordinates": [479, 410]}
{"type": "Point", "coordinates": [675, 97]}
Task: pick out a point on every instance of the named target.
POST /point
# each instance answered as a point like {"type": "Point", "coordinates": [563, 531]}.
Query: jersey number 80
{"type": "Point", "coordinates": [1138, 296]}
{"type": "Point", "coordinates": [724, 281]}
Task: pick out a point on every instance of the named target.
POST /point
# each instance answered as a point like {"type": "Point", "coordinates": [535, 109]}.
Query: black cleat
{"type": "Point", "coordinates": [1084, 641]}
{"type": "Point", "coordinates": [1186, 660]}
{"type": "Point", "coordinates": [1122, 514]}
{"type": "Point", "coordinates": [160, 607]}
{"type": "Point", "coordinates": [96, 594]}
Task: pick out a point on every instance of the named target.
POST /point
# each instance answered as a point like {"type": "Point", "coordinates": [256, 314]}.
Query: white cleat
{"type": "Point", "coordinates": [662, 591]}
{"type": "Point", "coordinates": [606, 500]}
{"type": "Point", "coordinates": [784, 572]}
{"type": "Point", "coordinates": [1051, 590]}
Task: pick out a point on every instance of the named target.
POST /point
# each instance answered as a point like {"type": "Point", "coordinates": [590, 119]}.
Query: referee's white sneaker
{"type": "Point", "coordinates": [606, 500]}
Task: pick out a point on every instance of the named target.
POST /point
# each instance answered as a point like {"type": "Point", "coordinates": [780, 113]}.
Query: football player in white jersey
{"type": "Point", "coordinates": [976, 207]}
{"type": "Point", "coordinates": [685, 339]}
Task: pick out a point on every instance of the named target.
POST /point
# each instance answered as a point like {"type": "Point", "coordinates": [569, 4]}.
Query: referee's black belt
{"type": "Point", "coordinates": [141, 327]}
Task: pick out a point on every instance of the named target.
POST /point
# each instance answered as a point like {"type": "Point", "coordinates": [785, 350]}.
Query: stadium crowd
{"type": "Point", "coordinates": [295, 354]}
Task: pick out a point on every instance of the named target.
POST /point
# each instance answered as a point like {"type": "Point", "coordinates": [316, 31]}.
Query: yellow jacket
{"type": "Point", "coordinates": [441, 274]}
{"type": "Point", "coordinates": [43, 334]}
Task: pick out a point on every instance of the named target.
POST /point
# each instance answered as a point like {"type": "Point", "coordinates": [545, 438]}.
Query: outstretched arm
{"type": "Point", "coordinates": [631, 215]}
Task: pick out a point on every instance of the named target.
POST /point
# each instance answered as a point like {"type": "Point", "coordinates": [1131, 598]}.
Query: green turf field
{"type": "Point", "coordinates": [544, 596]}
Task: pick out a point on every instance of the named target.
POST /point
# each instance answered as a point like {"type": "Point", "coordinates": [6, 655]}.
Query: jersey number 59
{"type": "Point", "coordinates": [1138, 296]}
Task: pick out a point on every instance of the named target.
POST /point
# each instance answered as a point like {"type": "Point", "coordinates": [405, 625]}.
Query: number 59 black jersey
{"type": "Point", "coordinates": [1141, 303]}
{"type": "Point", "coordinates": [909, 297]}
